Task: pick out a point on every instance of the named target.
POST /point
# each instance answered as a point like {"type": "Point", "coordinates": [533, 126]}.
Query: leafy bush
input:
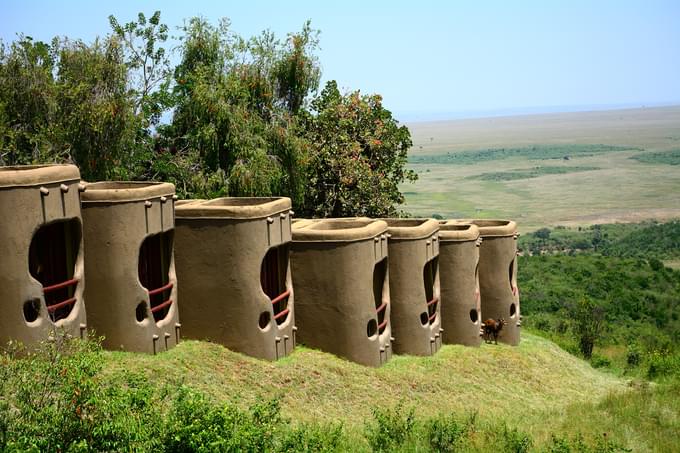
{"type": "Point", "coordinates": [663, 364]}
{"type": "Point", "coordinates": [599, 361]}
{"type": "Point", "coordinates": [447, 433]}
{"type": "Point", "coordinates": [577, 444]}
{"type": "Point", "coordinates": [195, 425]}
{"type": "Point", "coordinates": [390, 428]}
{"type": "Point", "coordinates": [514, 440]}
{"type": "Point", "coordinates": [634, 355]}
{"type": "Point", "coordinates": [52, 399]}
{"type": "Point", "coordinates": [313, 438]}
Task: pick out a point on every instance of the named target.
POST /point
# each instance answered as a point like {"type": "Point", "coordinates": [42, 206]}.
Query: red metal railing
{"type": "Point", "coordinates": [432, 309]}
{"type": "Point", "coordinates": [156, 309]}
{"type": "Point", "coordinates": [281, 297]}
{"type": "Point", "coordinates": [280, 317]}
{"type": "Point", "coordinates": [381, 309]}
{"type": "Point", "coordinates": [153, 292]}
{"type": "Point", "coordinates": [281, 314]}
{"type": "Point", "coordinates": [53, 307]}
{"type": "Point", "coordinates": [161, 306]}
{"type": "Point", "coordinates": [51, 288]}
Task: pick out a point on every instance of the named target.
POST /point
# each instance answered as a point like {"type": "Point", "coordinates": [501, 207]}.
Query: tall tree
{"type": "Point", "coordinates": [27, 106]}
{"type": "Point", "coordinates": [229, 112]}
{"type": "Point", "coordinates": [588, 322]}
{"type": "Point", "coordinates": [96, 124]}
{"type": "Point", "coordinates": [298, 71]}
{"type": "Point", "coordinates": [358, 156]}
{"type": "Point", "coordinates": [147, 62]}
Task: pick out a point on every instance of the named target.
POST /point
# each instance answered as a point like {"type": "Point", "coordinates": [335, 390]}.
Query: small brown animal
{"type": "Point", "coordinates": [493, 328]}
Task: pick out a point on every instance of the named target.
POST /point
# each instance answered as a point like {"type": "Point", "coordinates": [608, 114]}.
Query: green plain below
{"type": "Point", "coordinates": [618, 188]}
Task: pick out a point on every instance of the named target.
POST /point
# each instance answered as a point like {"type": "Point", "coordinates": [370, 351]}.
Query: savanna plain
{"type": "Point", "coordinates": [566, 169]}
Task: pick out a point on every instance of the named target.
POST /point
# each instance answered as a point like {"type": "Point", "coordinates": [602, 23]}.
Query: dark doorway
{"type": "Point", "coordinates": [379, 276]}
{"type": "Point", "coordinates": [429, 278]}
{"type": "Point", "coordinates": [155, 256]}
{"type": "Point", "coordinates": [273, 275]}
{"type": "Point", "coordinates": [52, 260]}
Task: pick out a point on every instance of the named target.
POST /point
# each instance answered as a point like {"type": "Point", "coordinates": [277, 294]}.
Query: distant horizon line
{"type": "Point", "coordinates": [427, 117]}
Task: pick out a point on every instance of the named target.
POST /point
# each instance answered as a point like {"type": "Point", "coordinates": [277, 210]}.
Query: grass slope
{"type": "Point", "coordinates": [496, 381]}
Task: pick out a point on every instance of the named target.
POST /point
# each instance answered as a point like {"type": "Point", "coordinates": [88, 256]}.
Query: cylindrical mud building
{"type": "Point", "coordinates": [498, 275]}
{"type": "Point", "coordinates": [41, 253]}
{"type": "Point", "coordinates": [235, 281]}
{"type": "Point", "coordinates": [342, 298]}
{"type": "Point", "coordinates": [458, 270]}
{"type": "Point", "coordinates": [414, 285]}
{"type": "Point", "coordinates": [129, 233]}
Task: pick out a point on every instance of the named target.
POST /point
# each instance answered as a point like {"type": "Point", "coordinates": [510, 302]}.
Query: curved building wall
{"type": "Point", "coordinates": [41, 253]}
{"type": "Point", "coordinates": [232, 258]}
{"type": "Point", "coordinates": [414, 285]}
{"type": "Point", "coordinates": [130, 269]}
{"type": "Point", "coordinates": [341, 277]}
{"type": "Point", "coordinates": [458, 267]}
{"type": "Point", "coordinates": [498, 275]}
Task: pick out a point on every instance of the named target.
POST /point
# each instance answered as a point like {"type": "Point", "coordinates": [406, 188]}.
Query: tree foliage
{"type": "Point", "coordinates": [27, 104]}
{"type": "Point", "coordinates": [359, 155]}
{"type": "Point", "coordinates": [230, 111]}
{"type": "Point", "coordinates": [588, 321]}
{"type": "Point", "coordinates": [95, 123]}
{"type": "Point", "coordinates": [147, 62]}
{"type": "Point", "coordinates": [66, 101]}
{"type": "Point", "coordinates": [245, 116]}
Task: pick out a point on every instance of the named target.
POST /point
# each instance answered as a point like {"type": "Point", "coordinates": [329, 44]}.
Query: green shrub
{"type": "Point", "coordinates": [600, 361]}
{"type": "Point", "coordinates": [52, 398]}
{"type": "Point", "coordinates": [313, 438]}
{"type": "Point", "coordinates": [390, 428]}
{"type": "Point", "coordinates": [197, 425]}
{"type": "Point", "coordinates": [515, 441]}
{"type": "Point", "coordinates": [446, 434]}
{"type": "Point", "coordinates": [577, 444]}
{"type": "Point", "coordinates": [634, 355]}
{"type": "Point", "coordinates": [663, 364]}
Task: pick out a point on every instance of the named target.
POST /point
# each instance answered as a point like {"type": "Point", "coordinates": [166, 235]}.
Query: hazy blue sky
{"type": "Point", "coordinates": [438, 58]}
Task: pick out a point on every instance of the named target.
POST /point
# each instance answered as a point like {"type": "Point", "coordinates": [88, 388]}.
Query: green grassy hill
{"type": "Point", "coordinates": [493, 380]}
{"type": "Point", "coordinates": [72, 396]}
{"type": "Point", "coordinates": [535, 397]}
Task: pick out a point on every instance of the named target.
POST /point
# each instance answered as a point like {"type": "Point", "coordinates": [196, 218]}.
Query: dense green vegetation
{"type": "Point", "coordinates": [671, 157]}
{"type": "Point", "coordinates": [67, 396]}
{"type": "Point", "coordinates": [536, 152]}
{"type": "Point", "coordinates": [618, 278]}
{"type": "Point", "coordinates": [649, 240]}
{"type": "Point", "coordinates": [526, 173]}
{"type": "Point", "coordinates": [246, 116]}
